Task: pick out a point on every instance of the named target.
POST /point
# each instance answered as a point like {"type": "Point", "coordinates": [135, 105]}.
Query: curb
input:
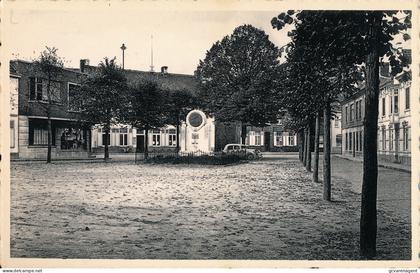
{"type": "Point", "coordinates": [382, 165]}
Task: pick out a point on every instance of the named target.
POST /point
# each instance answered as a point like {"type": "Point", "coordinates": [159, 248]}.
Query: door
{"type": "Point", "coordinates": [140, 144]}
{"type": "Point", "coordinates": [267, 141]}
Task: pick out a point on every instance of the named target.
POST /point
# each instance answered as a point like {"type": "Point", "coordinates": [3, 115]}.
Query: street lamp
{"type": "Point", "coordinates": [123, 48]}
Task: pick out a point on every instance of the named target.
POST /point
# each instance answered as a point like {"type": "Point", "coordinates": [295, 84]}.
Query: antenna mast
{"type": "Point", "coordinates": [151, 55]}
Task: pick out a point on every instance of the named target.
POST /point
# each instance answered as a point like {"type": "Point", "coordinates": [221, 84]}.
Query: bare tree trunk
{"type": "Point", "coordinates": [308, 150]}
{"type": "Point", "coordinates": [305, 145]}
{"type": "Point", "coordinates": [368, 219]}
{"type": "Point", "coordinates": [327, 152]}
{"type": "Point", "coordinates": [243, 133]}
{"type": "Point", "coordinates": [316, 159]}
{"type": "Point", "coordinates": [300, 141]}
{"type": "Point", "coordinates": [106, 144]}
{"type": "Point", "coordinates": [49, 128]}
{"type": "Point", "coordinates": [146, 143]}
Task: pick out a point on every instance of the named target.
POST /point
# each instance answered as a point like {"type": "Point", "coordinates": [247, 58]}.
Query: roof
{"type": "Point", "coordinates": [383, 82]}
{"type": "Point", "coordinates": [13, 65]}
{"type": "Point", "coordinates": [12, 69]}
{"type": "Point", "coordinates": [168, 81]}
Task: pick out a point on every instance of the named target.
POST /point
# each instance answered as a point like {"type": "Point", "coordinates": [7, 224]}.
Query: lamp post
{"type": "Point", "coordinates": [123, 48]}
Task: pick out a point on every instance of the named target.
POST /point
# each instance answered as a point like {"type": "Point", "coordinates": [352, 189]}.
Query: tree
{"type": "Point", "coordinates": [51, 65]}
{"type": "Point", "coordinates": [178, 104]}
{"type": "Point", "coordinates": [359, 39]}
{"type": "Point", "coordinates": [316, 147]}
{"type": "Point", "coordinates": [147, 109]}
{"type": "Point", "coordinates": [103, 98]}
{"type": "Point", "coordinates": [238, 78]}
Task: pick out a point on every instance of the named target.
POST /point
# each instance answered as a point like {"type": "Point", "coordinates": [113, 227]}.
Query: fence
{"type": "Point", "coordinates": [196, 157]}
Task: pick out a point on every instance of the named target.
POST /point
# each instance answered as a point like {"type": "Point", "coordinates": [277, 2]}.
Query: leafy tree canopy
{"type": "Point", "coordinates": [178, 104]}
{"type": "Point", "coordinates": [103, 95]}
{"type": "Point", "coordinates": [327, 54]}
{"type": "Point", "coordinates": [238, 77]}
{"type": "Point", "coordinates": [147, 106]}
{"type": "Point", "coordinates": [49, 62]}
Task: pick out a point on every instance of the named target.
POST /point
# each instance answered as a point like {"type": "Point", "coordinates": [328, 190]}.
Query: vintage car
{"type": "Point", "coordinates": [241, 149]}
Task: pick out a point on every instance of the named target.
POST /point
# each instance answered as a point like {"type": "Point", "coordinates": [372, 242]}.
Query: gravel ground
{"type": "Point", "coordinates": [259, 210]}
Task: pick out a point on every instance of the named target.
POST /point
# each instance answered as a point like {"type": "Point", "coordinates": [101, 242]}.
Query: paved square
{"type": "Point", "coordinates": [267, 209]}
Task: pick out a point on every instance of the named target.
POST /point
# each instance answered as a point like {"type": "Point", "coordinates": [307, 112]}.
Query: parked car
{"type": "Point", "coordinates": [249, 153]}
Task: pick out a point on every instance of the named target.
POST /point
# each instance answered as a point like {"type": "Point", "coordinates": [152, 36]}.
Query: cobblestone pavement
{"type": "Point", "coordinates": [259, 210]}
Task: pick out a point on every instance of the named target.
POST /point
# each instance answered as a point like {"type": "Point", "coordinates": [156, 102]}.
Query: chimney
{"type": "Point", "coordinates": [164, 70]}
{"type": "Point", "coordinates": [83, 64]}
{"type": "Point", "coordinates": [384, 70]}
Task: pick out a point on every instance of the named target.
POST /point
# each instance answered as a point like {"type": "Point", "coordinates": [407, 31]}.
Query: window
{"type": "Point", "coordinates": [350, 141]}
{"type": "Point", "coordinates": [40, 136]}
{"type": "Point", "coordinates": [347, 113]}
{"type": "Point", "coordinates": [172, 137]}
{"type": "Point", "coordinates": [123, 136]}
{"type": "Point", "coordinates": [338, 139]}
{"type": "Point", "coordinates": [257, 139]}
{"type": "Point", "coordinates": [123, 139]}
{"type": "Point", "coordinates": [406, 137]}
{"type": "Point", "coordinates": [351, 111]}
{"type": "Point", "coordinates": [391, 139]}
{"type": "Point", "coordinates": [336, 123]}
{"type": "Point", "coordinates": [72, 138]}
{"type": "Point", "coordinates": [396, 101]}
{"type": "Point", "coordinates": [156, 137]}
{"type": "Point", "coordinates": [361, 141]}
{"type": "Point", "coordinates": [172, 140]}
{"type": "Point", "coordinates": [38, 90]}
{"type": "Point", "coordinates": [292, 140]}
{"type": "Point", "coordinates": [347, 141]}
{"type": "Point", "coordinates": [279, 139]}
{"type": "Point", "coordinates": [356, 140]}
{"type": "Point", "coordinates": [391, 108]}
{"type": "Point", "coordinates": [357, 110]}
{"type": "Point", "coordinates": [360, 109]}
{"type": "Point", "coordinates": [35, 88]}
{"type": "Point", "coordinates": [407, 98]}
{"type": "Point", "coordinates": [74, 102]}
{"type": "Point", "coordinates": [12, 134]}
{"type": "Point", "coordinates": [383, 139]}
{"type": "Point", "coordinates": [38, 132]}
{"type": "Point", "coordinates": [383, 106]}
{"type": "Point", "coordinates": [14, 95]}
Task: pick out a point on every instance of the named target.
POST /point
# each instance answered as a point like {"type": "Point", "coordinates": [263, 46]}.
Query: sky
{"type": "Point", "coordinates": [180, 37]}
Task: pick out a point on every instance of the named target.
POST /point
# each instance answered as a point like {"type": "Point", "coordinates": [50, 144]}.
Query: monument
{"type": "Point", "coordinates": [197, 133]}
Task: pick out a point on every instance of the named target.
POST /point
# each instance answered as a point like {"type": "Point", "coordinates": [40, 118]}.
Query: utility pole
{"type": "Point", "coordinates": [123, 48]}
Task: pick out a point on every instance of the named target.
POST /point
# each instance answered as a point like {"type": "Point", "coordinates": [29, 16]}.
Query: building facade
{"type": "Point", "coordinates": [209, 135]}
{"type": "Point", "coordinates": [28, 121]}
{"type": "Point", "coordinates": [394, 126]}
{"type": "Point", "coordinates": [73, 138]}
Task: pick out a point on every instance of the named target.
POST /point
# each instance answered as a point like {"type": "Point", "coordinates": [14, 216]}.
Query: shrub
{"type": "Point", "coordinates": [216, 159]}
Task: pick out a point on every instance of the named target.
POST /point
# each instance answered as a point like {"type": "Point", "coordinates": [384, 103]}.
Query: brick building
{"type": "Point", "coordinates": [28, 120]}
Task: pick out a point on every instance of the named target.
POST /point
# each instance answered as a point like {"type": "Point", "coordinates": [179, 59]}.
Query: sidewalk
{"type": "Point", "coordinates": [388, 165]}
